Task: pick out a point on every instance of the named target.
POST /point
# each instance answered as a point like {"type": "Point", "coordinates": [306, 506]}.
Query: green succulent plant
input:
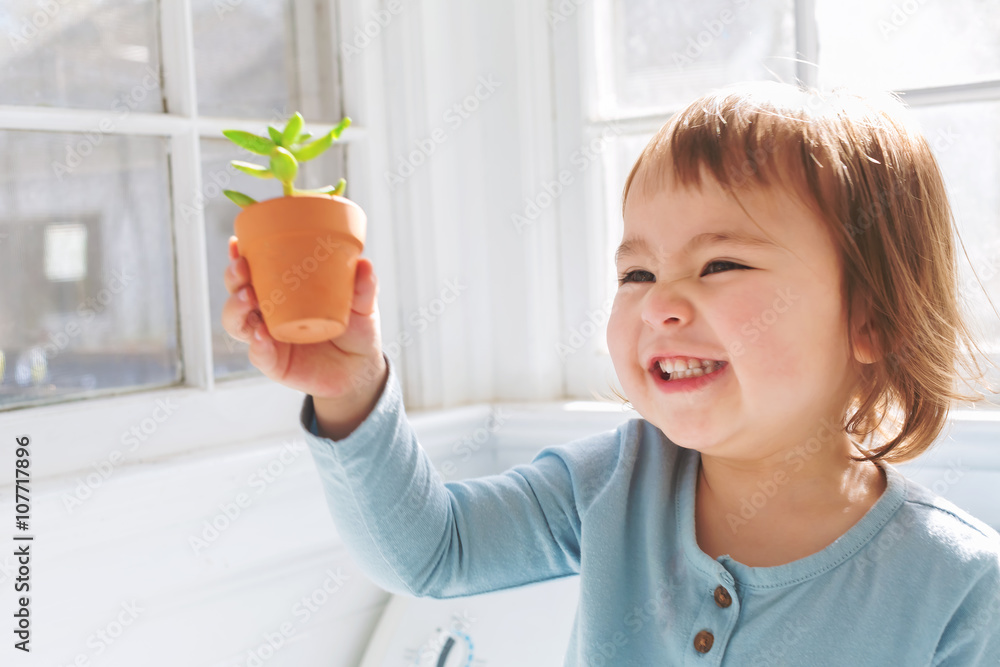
{"type": "Point", "coordinates": [286, 149]}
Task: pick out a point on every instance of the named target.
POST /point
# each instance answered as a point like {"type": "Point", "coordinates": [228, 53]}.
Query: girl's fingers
{"type": "Point", "coordinates": [237, 274]}
{"type": "Point", "coordinates": [365, 287]}
{"type": "Point", "coordinates": [262, 348]}
{"type": "Point", "coordinates": [361, 332]}
{"type": "Point", "coordinates": [239, 319]}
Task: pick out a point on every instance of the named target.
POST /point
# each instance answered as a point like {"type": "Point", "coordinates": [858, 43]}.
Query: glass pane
{"type": "Point", "coordinates": [85, 54]}
{"type": "Point", "coordinates": [229, 355]}
{"type": "Point", "coordinates": [86, 258]}
{"type": "Point", "coordinates": [623, 153]}
{"type": "Point", "coordinates": [259, 59]}
{"type": "Point", "coordinates": [895, 45]}
{"type": "Point", "coordinates": [665, 53]}
{"type": "Point", "coordinates": [617, 163]}
{"type": "Point", "coordinates": [958, 134]}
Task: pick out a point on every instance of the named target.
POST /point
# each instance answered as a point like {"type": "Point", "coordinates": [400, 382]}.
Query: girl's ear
{"type": "Point", "coordinates": [866, 349]}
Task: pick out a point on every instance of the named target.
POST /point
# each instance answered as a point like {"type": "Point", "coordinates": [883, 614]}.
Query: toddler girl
{"type": "Point", "coordinates": [787, 324]}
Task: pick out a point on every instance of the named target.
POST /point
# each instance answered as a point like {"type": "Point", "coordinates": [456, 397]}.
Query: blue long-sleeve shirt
{"type": "Point", "coordinates": [916, 582]}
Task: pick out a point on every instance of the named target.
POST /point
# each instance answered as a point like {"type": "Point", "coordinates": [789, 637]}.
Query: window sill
{"type": "Point", "coordinates": [78, 436]}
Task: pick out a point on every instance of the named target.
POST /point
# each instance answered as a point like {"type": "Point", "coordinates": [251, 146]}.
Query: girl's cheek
{"type": "Point", "coordinates": [749, 321]}
{"type": "Point", "coordinates": [621, 323]}
{"type": "Point", "coordinates": [617, 312]}
{"type": "Point", "coordinates": [772, 345]}
{"type": "Point", "coordinates": [614, 335]}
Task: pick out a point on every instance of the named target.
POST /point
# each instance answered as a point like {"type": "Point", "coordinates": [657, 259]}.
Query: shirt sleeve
{"type": "Point", "coordinates": [972, 636]}
{"type": "Point", "coordinates": [411, 533]}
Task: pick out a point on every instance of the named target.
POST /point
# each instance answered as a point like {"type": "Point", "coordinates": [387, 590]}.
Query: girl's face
{"type": "Point", "coordinates": [773, 311]}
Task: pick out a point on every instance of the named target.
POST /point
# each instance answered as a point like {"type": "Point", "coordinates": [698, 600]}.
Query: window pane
{"type": "Point", "coordinates": [85, 54]}
{"type": "Point", "coordinates": [958, 134]}
{"type": "Point", "coordinates": [86, 259]}
{"type": "Point", "coordinates": [230, 355]}
{"type": "Point", "coordinates": [666, 53]}
{"type": "Point", "coordinates": [623, 153]}
{"type": "Point", "coordinates": [896, 45]}
{"type": "Point", "coordinates": [618, 160]}
{"type": "Point", "coordinates": [259, 59]}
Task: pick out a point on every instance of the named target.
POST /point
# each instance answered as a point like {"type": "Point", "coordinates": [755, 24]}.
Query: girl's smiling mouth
{"type": "Point", "coordinates": [678, 375]}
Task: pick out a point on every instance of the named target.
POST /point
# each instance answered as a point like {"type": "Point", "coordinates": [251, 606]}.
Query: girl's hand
{"type": "Point", "coordinates": [348, 369]}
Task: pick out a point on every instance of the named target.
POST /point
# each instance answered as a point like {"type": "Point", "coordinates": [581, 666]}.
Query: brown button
{"type": "Point", "coordinates": [703, 641]}
{"type": "Point", "coordinates": [722, 597]}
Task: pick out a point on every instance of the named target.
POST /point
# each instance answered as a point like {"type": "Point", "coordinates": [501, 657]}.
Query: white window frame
{"type": "Point", "coordinates": [141, 425]}
{"type": "Point", "coordinates": [579, 120]}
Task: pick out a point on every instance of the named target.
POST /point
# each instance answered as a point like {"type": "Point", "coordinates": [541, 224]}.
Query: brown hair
{"type": "Point", "coordinates": [864, 167]}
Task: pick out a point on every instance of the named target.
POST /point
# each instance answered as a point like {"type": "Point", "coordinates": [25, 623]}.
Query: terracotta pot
{"type": "Point", "coordinates": [302, 252]}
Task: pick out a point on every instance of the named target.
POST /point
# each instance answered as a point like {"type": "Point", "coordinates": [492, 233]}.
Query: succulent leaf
{"type": "Point", "coordinates": [252, 169]}
{"type": "Point", "coordinates": [285, 148]}
{"type": "Point", "coordinates": [239, 198]}
{"type": "Point", "coordinates": [314, 148]}
{"type": "Point", "coordinates": [283, 165]}
{"type": "Point", "coordinates": [341, 126]}
{"type": "Point", "coordinates": [292, 130]}
{"type": "Point", "coordinates": [251, 142]}
{"type": "Point", "coordinates": [327, 190]}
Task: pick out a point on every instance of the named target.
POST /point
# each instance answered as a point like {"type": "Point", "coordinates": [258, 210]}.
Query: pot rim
{"type": "Point", "coordinates": [332, 198]}
{"type": "Point", "coordinates": [259, 212]}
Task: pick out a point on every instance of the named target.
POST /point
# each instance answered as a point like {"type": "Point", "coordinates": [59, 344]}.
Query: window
{"type": "Point", "coordinates": [640, 60]}
{"type": "Point", "coordinates": [113, 226]}
{"type": "Point", "coordinates": [113, 222]}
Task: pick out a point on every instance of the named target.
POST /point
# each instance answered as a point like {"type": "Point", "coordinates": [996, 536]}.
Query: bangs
{"type": "Point", "coordinates": [768, 134]}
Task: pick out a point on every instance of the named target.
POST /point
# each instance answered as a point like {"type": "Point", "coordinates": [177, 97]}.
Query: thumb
{"type": "Point", "coordinates": [365, 287]}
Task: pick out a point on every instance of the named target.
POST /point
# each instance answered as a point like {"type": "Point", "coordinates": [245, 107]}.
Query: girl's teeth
{"type": "Point", "coordinates": [669, 366]}
{"type": "Point", "coordinates": [694, 368]}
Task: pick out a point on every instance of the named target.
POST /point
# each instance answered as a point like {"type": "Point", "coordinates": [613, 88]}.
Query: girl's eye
{"type": "Point", "coordinates": [634, 276]}
{"type": "Point", "coordinates": [646, 276]}
{"type": "Point", "coordinates": [724, 263]}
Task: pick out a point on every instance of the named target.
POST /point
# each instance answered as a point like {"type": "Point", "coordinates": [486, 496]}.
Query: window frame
{"type": "Point", "coordinates": [133, 425]}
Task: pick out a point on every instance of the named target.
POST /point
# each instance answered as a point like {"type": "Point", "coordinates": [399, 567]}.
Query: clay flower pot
{"type": "Point", "coordinates": [303, 252]}
{"type": "Point", "coordinates": [302, 248]}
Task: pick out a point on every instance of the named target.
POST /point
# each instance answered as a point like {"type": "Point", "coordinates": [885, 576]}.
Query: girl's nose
{"type": "Point", "coordinates": [665, 304]}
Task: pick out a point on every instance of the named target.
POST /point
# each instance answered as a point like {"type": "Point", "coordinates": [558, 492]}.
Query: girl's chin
{"type": "Point", "coordinates": [688, 436]}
